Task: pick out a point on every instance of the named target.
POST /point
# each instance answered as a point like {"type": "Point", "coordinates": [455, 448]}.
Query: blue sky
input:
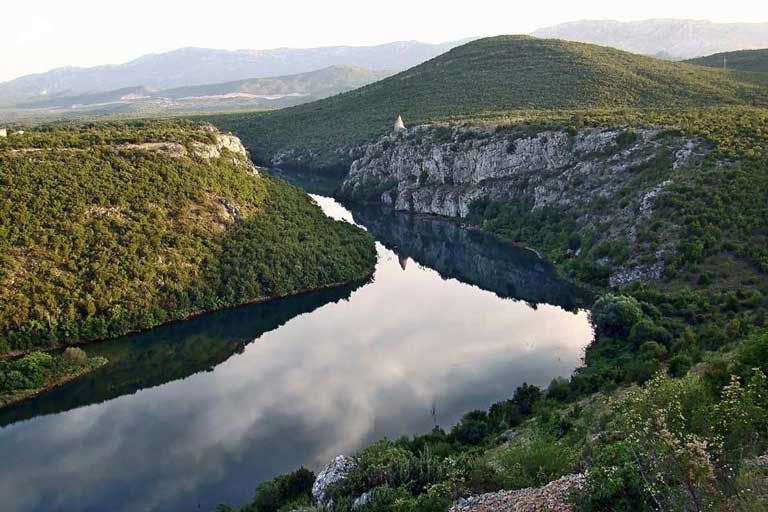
{"type": "Point", "coordinates": [43, 34]}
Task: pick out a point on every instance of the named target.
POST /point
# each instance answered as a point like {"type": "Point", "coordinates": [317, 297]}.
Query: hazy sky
{"type": "Point", "coordinates": [43, 34]}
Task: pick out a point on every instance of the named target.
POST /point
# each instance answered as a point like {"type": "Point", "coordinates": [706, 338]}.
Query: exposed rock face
{"type": "Point", "coordinates": [549, 498]}
{"type": "Point", "coordinates": [224, 141]}
{"type": "Point", "coordinates": [445, 170]}
{"type": "Point", "coordinates": [334, 474]}
{"type": "Point", "coordinates": [362, 500]}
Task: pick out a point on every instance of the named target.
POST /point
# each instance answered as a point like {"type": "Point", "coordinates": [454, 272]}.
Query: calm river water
{"type": "Point", "coordinates": [198, 413]}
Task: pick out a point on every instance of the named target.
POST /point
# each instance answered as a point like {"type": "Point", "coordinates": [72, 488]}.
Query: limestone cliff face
{"type": "Point", "coordinates": [602, 177]}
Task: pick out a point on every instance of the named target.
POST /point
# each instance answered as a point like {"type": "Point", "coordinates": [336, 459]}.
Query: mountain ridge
{"type": "Point", "coordinates": [671, 38]}
{"type": "Point", "coordinates": [248, 94]}
{"type": "Point", "coordinates": [486, 77]}
{"type": "Point", "coordinates": [199, 66]}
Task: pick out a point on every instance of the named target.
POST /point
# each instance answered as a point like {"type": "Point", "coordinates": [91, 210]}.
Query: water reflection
{"type": "Point", "coordinates": [322, 383]}
{"type": "Point", "coordinates": [470, 256]}
{"type": "Point", "coordinates": [171, 352]}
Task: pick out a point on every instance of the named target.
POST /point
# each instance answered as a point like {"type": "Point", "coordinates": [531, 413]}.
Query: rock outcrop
{"type": "Point", "coordinates": [598, 176]}
{"type": "Point", "coordinates": [334, 474]}
{"type": "Point", "coordinates": [552, 497]}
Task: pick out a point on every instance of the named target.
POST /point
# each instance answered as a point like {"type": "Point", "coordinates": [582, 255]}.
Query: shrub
{"type": "Point", "coordinates": [535, 462]}
{"type": "Point", "coordinates": [652, 351]}
{"type": "Point", "coordinates": [504, 415]}
{"type": "Point", "coordinates": [526, 397]}
{"type": "Point", "coordinates": [679, 365]}
{"type": "Point", "coordinates": [614, 483]}
{"type": "Point", "coordinates": [375, 465]}
{"type": "Point", "coordinates": [76, 355]}
{"type": "Point", "coordinates": [472, 429]}
{"type": "Point", "coordinates": [559, 389]}
{"type": "Point", "coordinates": [753, 353]}
{"type": "Point", "coordinates": [646, 330]}
{"type": "Point", "coordinates": [292, 488]}
{"type": "Point", "coordinates": [614, 315]}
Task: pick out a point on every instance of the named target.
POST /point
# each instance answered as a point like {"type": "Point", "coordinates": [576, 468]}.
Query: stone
{"type": "Point", "coordinates": [362, 500]}
{"type": "Point", "coordinates": [552, 497]}
{"type": "Point", "coordinates": [334, 474]}
{"type": "Point", "coordinates": [428, 170]}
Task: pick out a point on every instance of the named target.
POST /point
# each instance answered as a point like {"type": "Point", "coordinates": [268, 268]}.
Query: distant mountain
{"type": "Point", "coordinates": [253, 94]}
{"type": "Point", "coordinates": [199, 66]}
{"type": "Point", "coordinates": [673, 39]}
{"type": "Point", "coordinates": [744, 60]}
{"type": "Point", "coordinates": [485, 77]}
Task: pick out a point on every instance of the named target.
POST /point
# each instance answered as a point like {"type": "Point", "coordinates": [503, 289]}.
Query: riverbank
{"type": "Point", "coordinates": [259, 300]}
{"type": "Point", "coordinates": [39, 372]}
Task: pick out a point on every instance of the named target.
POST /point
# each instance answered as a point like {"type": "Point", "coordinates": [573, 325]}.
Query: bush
{"type": "Point", "coordinates": [614, 315]}
{"type": "Point", "coordinates": [614, 483]}
{"type": "Point", "coordinates": [652, 351]}
{"type": "Point", "coordinates": [75, 355]}
{"type": "Point", "coordinates": [679, 365]}
{"type": "Point", "coordinates": [375, 465]}
{"type": "Point", "coordinates": [559, 389]}
{"type": "Point", "coordinates": [472, 429]}
{"type": "Point", "coordinates": [535, 462]}
{"type": "Point", "coordinates": [753, 353]}
{"type": "Point", "coordinates": [646, 330]}
{"type": "Point", "coordinates": [293, 488]}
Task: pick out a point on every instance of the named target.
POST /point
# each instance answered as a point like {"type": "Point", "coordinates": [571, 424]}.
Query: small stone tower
{"type": "Point", "coordinates": [399, 126]}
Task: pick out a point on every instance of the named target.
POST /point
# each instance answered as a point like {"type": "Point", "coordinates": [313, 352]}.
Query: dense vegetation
{"type": "Point", "coordinates": [27, 375]}
{"type": "Point", "coordinates": [742, 60]}
{"type": "Point", "coordinates": [717, 211]}
{"type": "Point", "coordinates": [114, 227]}
{"type": "Point", "coordinates": [481, 78]}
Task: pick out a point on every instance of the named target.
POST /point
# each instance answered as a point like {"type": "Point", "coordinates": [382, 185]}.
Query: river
{"type": "Point", "coordinates": [197, 413]}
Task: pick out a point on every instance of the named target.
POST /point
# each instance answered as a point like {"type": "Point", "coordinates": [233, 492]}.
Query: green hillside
{"type": "Point", "coordinates": [108, 228]}
{"type": "Point", "coordinates": [485, 77]}
{"type": "Point", "coordinates": [742, 60]}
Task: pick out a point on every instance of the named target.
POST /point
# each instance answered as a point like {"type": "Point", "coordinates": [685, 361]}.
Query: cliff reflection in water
{"type": "Point", "coordinates": [470, 256]}
{"type": "Point", "coordinates": [171, 352]}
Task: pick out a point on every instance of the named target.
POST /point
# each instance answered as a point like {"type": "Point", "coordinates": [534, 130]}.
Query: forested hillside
{"type": "Point", "coordinates": [742, 60]}
{"type": "Point", "coordinates": [108, 228]}
{"type": "Point", "coordinates": [482, 78]}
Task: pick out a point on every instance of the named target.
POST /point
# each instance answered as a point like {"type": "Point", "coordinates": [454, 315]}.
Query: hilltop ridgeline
{"type": "Point", "coordinates": [485, 78]}
{"type": "Point", "coordinates": [754, 61]}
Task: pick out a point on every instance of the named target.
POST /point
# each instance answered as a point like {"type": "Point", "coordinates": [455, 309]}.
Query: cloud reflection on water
{"type": "Point", "coordinates": [324, 383]}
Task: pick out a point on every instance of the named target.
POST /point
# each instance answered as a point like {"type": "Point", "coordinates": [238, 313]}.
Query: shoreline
{"type": "Point", "coordinates": [596, 290]}
{"type": "Point", "coordinates": [93, 365]}
{"type": "Point", "coordinates": [190, 316]}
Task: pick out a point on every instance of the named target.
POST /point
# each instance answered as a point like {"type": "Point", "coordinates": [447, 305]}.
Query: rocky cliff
{"type": "Point", "coordinates": [607, 180]}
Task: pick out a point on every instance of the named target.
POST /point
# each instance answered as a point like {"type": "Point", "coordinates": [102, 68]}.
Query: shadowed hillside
{"type": "Point", "coordinates": [743, 60]}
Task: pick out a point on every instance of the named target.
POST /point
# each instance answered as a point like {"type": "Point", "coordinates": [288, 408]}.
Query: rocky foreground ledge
{"type": "Point", "coordinates": [552, 497]}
